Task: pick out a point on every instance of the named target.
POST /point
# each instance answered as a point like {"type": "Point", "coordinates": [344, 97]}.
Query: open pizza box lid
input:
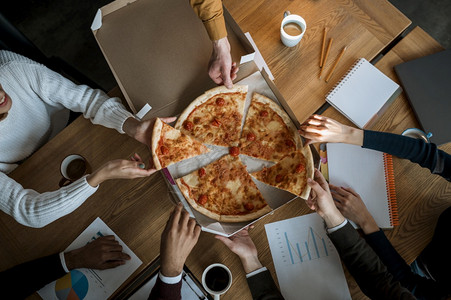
{"type": "Point", "coordinates": [257, 82]}
{"type": "Point", "coordinates": [158, 52]}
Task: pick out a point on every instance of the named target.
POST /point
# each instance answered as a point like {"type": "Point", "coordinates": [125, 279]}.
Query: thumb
{"type": "Point", "coordinates": [168, 119]}
{"type": "Point", "coordinates": [315, 186]}
{"type": "Point", "coordinates": [225, 240]}
{"type": "Point", "coordinates": [226, 78]}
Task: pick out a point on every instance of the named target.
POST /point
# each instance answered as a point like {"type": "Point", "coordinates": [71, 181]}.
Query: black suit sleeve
{"type": "Point", "coordinates": [25, 279]}
{"type": "Point", "coordinates": [262, 287]}
{"type": "Point", "coordinates": [165, 291]}
{"type": "Point", "coordinates": [365, 266]}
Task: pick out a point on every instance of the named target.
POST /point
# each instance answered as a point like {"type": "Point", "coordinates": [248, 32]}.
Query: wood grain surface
{"type": "Point", "coordinates": [366, 27]}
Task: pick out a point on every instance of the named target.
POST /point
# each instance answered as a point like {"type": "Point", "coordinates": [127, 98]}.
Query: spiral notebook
{"type": "Point", "coordinates": [363, 94]}
{"type": "Point", "coordinates": [370, 174]}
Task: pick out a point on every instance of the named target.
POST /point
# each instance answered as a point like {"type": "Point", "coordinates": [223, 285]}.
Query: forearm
{"type": "Point", "coordinates": [25, 279]}
{"type": "Point", "coordinates": [34, 209]}
{"type": "Point", "coordinates": [426, 155]}
{"type": "Point", "coordinates": [210, 12]}
{"type": "Point", "coordinates": [366, 267]}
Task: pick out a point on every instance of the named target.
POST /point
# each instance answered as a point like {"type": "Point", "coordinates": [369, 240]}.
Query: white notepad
{"type": "Point", "coordinates": [370, 174]}
{"type": "Point", "coordinates": [363, 93]}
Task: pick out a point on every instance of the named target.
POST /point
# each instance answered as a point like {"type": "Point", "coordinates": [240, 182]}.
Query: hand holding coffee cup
{"type": "Point", "coordinates": [72, 168]}
{"type": "Point", "coordinates": [216, 280]}
{"type": "Point", "coordinates": [292, 29]}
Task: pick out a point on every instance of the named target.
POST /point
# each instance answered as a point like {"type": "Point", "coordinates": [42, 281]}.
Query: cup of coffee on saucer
{"type": "Point", "coordinates": [72, 168]}
{"type": "Point", "coordinates": [292, 29]}
{"type": "Point", "coordinates": [216, 280]}
{"type": "Point", "coordinates": [417, 134]}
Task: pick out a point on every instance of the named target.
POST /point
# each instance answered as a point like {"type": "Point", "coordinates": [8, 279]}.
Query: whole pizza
{"type": "Point", "coordinates": [223, 190]}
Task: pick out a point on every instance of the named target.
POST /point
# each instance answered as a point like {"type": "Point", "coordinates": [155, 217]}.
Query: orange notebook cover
{"type": "Point", "coordinates": [370, 174]}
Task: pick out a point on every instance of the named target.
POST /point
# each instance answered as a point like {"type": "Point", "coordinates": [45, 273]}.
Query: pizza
{"type": "Point", "coordinates": [268, 131]}
{"type": "Point", "coordinates": [290, 173]}
{"type": "Point", "coordinates": [215, 117]}
{"type": "Point", "coordinates": [169, 145]}
{"type": "Point", "coordinates": [224, 191]}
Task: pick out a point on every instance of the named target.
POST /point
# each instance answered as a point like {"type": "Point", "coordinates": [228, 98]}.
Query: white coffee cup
{"type": "Point", "coordinates": [292, 29]}
{"type": "Point", "coordinates": [216, 280]}
{"type": "Point", "coordinates": [73, 167]}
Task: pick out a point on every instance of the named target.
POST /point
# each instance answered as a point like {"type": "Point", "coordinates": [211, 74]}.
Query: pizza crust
{"type": "Point", "coordinates": [205, 97]}
{"type": "Point", "coordinates": [156, 136]}
{"type": "Point", "coordinates": [248, 217]}
{"type": "Point", "coordinates": [310, 169]}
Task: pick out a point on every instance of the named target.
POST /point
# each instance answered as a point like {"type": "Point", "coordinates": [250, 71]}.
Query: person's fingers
{"type": "Point", "coordinates": [108, 237]}
{"type": "Point", "coordinates": [225, 240]}
{"type": "Point", "coordinates": [339, 197]}
{"type": "Point", "coordinates": [137, 157]}
{"type": "Point", "coordinates": [216, 79]}
{"type": "Point", "coordinates": [175, 216]}
{"type": "Point", "coordinates": [168, 119]}
{"type": "Point", "coordinates": [226, 78]}
{"type": "Point", "coordinates": [319, 117]}
{"type": "Point", "coordinates": [197, 231]}
{"type": "Point", "coordinates": [340, 191]}
{"type": "Point", "coordinates": [112, 264]}
{"type": "Point", "coordinates": [184, 218]}
{"type": "Point", "coordinates": [350, 190]}
{"type": "Point", "coordinates": [321, 181]}
{"type": "Point", "coordinates": [315, 122]}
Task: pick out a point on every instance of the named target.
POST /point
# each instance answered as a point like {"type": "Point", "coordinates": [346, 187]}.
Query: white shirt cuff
{"type": "Point", "coordinates": [63, 262]}
{"type": "Point", "coordinates": [256, 272]}
{"type": "Point", "coordinates": [333, 229]}
{"type": "Point", "coordinates": [170, 280]}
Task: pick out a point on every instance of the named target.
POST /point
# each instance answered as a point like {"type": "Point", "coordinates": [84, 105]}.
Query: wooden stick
{"type": "Point", "coordinates": [325, 57]}
{"type": "Point", "coordinates": [336, 63]}
{"type": "Point", "coordinates": [322, 47]}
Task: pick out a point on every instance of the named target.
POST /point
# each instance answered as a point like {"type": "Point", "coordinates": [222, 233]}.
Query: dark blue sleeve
{"type": "Point", "coordinates": [425, 154]}
{"type": "Point", "coordinates": [25, 279]}
{"type": "Point", "coordinates": [421, 287]}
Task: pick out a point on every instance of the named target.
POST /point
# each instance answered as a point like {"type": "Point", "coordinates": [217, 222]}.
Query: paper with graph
{"type": "Point", "coordinates": [305, 259]}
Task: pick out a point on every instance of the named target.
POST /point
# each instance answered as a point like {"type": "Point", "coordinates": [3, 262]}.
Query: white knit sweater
{"type": "Point", "coordinates": [37, 94]}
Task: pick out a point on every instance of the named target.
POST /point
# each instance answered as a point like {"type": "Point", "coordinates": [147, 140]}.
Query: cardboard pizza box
{"type": "Point", "coordinates": [158, 52]}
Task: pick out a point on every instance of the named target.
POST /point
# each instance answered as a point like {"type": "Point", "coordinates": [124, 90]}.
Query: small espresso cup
{"type": "Point", "coordinates": [73, 167]}
{"type": "Point", "coordinates": [417, 134]}
{"type": "Point", "coordinates": [292, 29]}
{"type": "Point", "coordinates": [216, 280]}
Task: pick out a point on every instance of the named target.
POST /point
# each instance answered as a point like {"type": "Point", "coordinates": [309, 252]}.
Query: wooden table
{"type": "Point", "coordinates": [366, 27]}
{"type": "Point", "coordinates": [138, 209]}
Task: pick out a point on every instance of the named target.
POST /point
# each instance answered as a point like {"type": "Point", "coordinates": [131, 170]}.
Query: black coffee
{"type": "Point", "coordinates": [217, 279]}
{"type": "Point", "coordinates": [76, 169]}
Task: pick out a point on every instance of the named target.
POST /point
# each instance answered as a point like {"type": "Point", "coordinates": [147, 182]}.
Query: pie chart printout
{"type": "Point", "coordinates": [73, 286]}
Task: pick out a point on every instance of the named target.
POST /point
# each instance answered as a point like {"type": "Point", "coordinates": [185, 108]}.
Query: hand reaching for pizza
{"type": "Point", "coordinates": [178, 239]}
{"type": "Point", "coordinates": [323, 129]}
{"type": "Point", "coordinates": [323, 203]}
{"type": "Point", "coordinates": [142, 130]}
{"type": "Point", "coordinates": [242, 245]}
{"type": "Point", "coordinates": [221, 69]}
{"type": "Point", "coordinates": [352, 207]}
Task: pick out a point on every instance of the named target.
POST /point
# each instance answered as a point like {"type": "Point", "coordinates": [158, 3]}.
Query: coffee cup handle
{"type": "Point", "coordinates": [64, 182]}
{"type": "Point", "coordinates": [216, 297]}
{"type": "Point", "coordinates": [286, 13]}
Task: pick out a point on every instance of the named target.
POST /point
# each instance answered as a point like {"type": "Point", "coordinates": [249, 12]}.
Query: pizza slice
{"type": "Point", "coordinates": [268, 131]}
{"type": "Point", "coordinates": [215, 117]}
{"type": "Point", "coordinates": [224, 191]}
{"type": "Point", "coordinates": [290, 173]}
{"type": "Point", "coordinates": [169, 145]}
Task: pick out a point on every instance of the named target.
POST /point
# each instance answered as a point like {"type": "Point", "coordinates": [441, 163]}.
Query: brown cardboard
{"type": "Point", "coordinates": [159, 51]}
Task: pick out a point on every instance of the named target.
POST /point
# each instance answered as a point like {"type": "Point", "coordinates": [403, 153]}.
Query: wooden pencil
{"type": "Point", "coordinates": [325, 56]}
{"type": "Point", "coordinates": [336, 63]}
{"type": "Point", "coordinates": [322, 47]}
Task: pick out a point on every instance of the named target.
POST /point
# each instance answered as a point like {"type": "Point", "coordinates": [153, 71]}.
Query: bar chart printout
{"type": "Point", "coordinates": [305, 259]}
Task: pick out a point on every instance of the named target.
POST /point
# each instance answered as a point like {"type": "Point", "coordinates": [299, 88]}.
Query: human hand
{"type": "Point", "coordinates": [322, 202]}
{"type": "Point", "coordinates": [178, 239]}
{"type": "Point", "coordinates": [120, 169]}
{"type": "Point", "coordinates": [103, 253]}
{"type": "Point", "coordinates": [242, 245]}
{"type": "Point", "coordinates": [220, 68]}
{"type": "Point", "coordinates": [323, 129]}
{"type": "Point", "coordinates": [352, 207]}
{"type": "Point", "coordinates": [142, 130]}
